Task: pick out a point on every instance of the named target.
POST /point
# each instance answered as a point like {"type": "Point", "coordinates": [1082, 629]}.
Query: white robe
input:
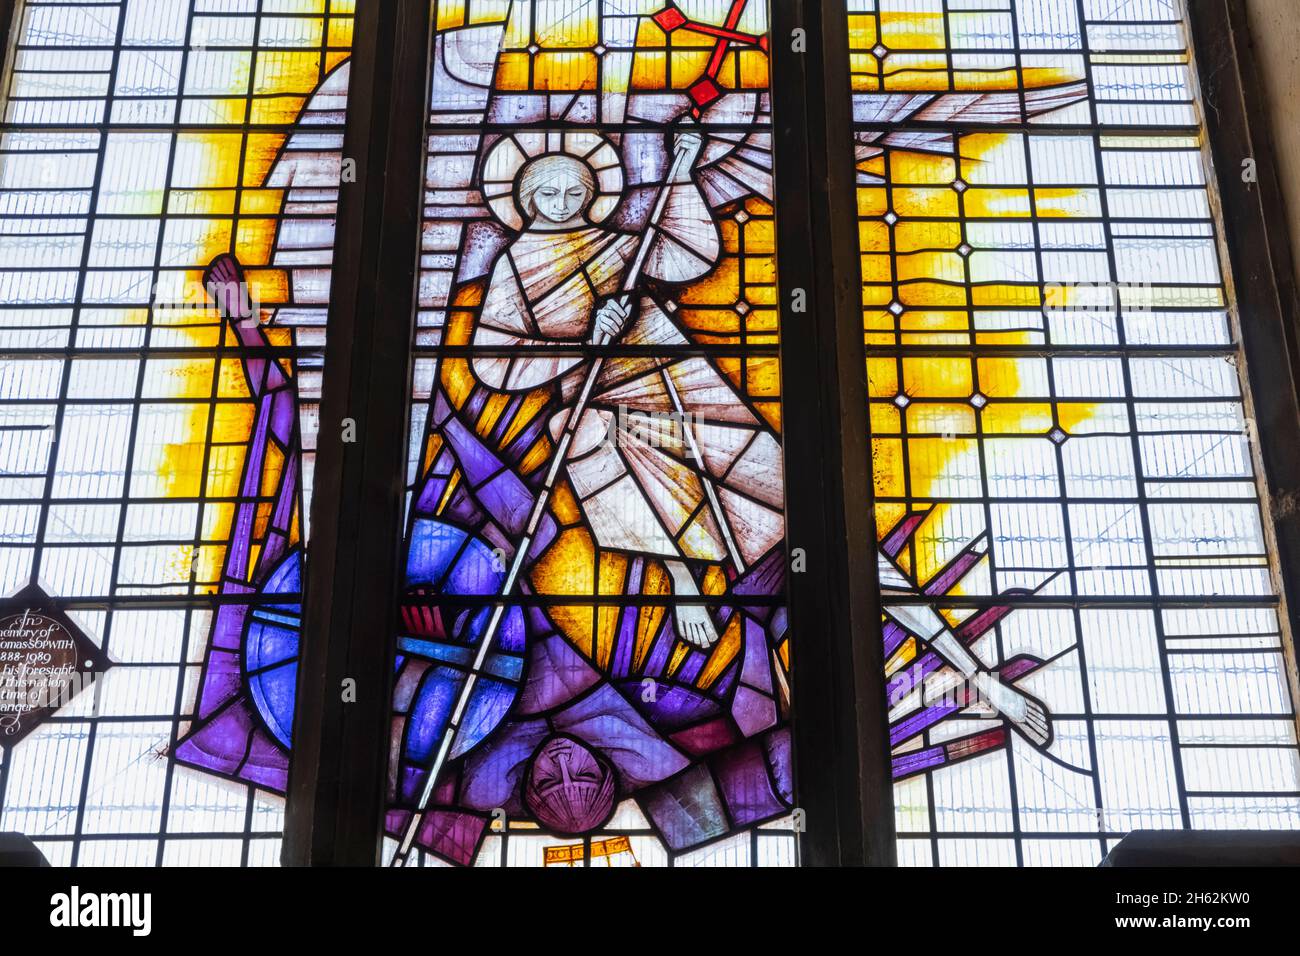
{"type": "Point", "coordinates": [643, 493]}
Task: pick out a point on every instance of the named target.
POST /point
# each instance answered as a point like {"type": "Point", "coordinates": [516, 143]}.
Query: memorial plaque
{"type": "Point", "coordinates": [45, 662]}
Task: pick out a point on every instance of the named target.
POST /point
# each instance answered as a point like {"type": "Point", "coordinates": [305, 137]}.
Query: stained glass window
{"type": "Point", "coordinates": [1082, 628]}
{"type": "Point", "coordinates": [169, 171]}
{"type": "Point", "coordinates": [592, 652]}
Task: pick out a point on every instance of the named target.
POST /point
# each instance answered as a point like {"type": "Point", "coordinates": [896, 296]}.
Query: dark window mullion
{"type": "Point", "coordinates": [8, 23]}
{"type": "Point", "coordinates": [1263, 286]}
{"type": "Point", "coordinates": [841, 750]}
{"type": "Point", "coordinates": [339, 767]}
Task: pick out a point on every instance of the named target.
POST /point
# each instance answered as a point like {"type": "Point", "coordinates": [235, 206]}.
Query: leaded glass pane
{"type": "Point", "coordinates": [169, 171]}
{"type": "Point", "coordinates": [1082, 628]}
{"type": "Point", "coordinates": [597, 291]}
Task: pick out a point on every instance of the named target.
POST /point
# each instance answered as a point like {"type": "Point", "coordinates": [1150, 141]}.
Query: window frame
{"type": "Point", "coordinates": [339, 764]}
{"type": "Point", "coordinates": [1257, 241]}
{"type": "Point", "coordinates": [7, 10]}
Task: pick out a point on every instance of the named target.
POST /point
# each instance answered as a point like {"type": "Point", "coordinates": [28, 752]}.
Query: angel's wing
{"type": "Point", "coordinates": [737, 158]}
{"type": "Point", "coordinates": [953, 110]}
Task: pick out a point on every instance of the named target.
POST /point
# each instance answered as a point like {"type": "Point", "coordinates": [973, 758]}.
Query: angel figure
{"type": "Point", "coordinates": [709, 488]}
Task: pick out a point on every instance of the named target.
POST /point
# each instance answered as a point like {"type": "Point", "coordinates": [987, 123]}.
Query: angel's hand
{"type": "Point", "coordinates": [228, 288]}
{"type": "Point", "coordinates": [611, 318]}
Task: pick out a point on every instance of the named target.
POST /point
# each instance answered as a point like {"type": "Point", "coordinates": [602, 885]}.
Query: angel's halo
{"type": "Point", "coordinates": [509, 155]}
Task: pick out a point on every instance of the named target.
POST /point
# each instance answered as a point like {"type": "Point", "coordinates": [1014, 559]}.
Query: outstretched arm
{"type": "Point", "coordinates": [1028, 714]}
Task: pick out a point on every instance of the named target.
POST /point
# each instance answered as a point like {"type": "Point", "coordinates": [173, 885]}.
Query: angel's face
{"type": "Point", "coordinates": [561, 197]}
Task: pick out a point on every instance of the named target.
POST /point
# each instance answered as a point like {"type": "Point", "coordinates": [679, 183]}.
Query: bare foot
{"type": "Point", "coordinates": [694, 623]}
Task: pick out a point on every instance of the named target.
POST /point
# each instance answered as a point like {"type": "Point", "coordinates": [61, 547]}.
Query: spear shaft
{"type": "Point", "coordinates": [677, 175]}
